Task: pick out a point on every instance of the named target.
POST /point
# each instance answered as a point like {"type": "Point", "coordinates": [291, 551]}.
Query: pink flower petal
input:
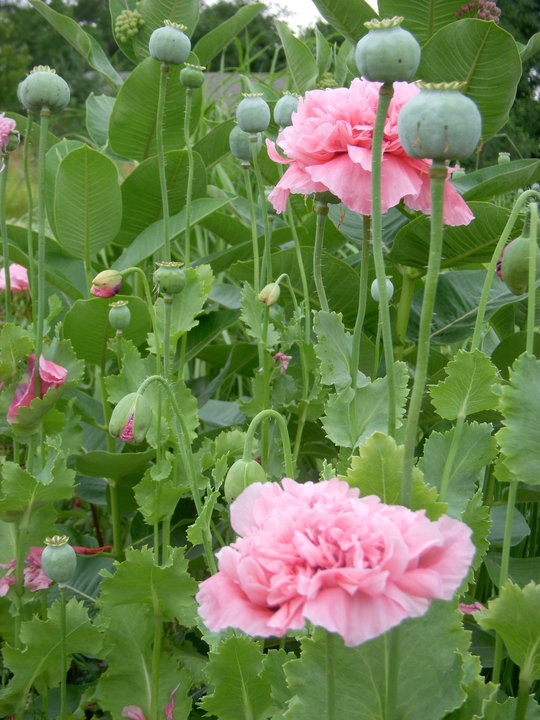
{"type": "Point", "coordinates": [51, 376]}
{"type": "Point", "coordinates": [18, 277]}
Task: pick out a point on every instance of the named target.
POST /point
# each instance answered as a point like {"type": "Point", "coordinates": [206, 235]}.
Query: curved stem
{"type": "Point", "coordinates": [531, 299]}
{"type": "Point", "coordinates": [3, 231]}
{"type": "Point", "coordinates": [362, 305]}
{"type": "Point", "coordinates": [438, 176]}
{"type": "Point", "coordinates": [163, 78]}
{"type": "Point", "coordinates": [386, 93]}
{"type": "Point", "coordinates": [285, 441]}
{"type": "Point", "coordinates": [321, 210]}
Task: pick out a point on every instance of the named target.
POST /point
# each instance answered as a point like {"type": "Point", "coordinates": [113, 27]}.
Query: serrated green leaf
{"type": "Point", "coordinates": [158, 493]}
{"type": "Point", "coordinates": [476, 516]}
{"type": "Point", "coordinates": [378, 469]}
{"type": "Point", "coordinates": [520, 438]}
{"type": "Point", "coordinates": [300, 61]}
{"type": "Point", "coordinates": [199, 529]}
{"type": "Point", "coordinates": [515, 616]}
{"type": "Point", "coordinates": [253, 316]}
{"type": "Point", "coordinates": [471, 385]}
{"type": "Point", "coordinates": [331, 680]}
{"type": "Point", "coordinates": [15, 344]}
{"type": "Point", "coordinates": [334, 350]}
{"type": "Point", "coordinates": [352, 416]}
{"type": "Point", "coordinates": [240, 691]}
{"type": "Point", "coordinates": [168, 589]}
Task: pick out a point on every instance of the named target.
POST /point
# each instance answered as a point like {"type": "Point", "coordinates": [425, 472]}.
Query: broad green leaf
{"type": "Point", "coordinates": [138, 580]}
{"type": "Point", "coordinates": [331, 680]}
{"type": "Point", "coordinates": [495, 180]}
{"type": "Point", "coordinates": [462, 245]}
{"type": "Point", "coordinates": [515, 616]}
{"type": "Point", "coordinates": [511, 347]}
{"type": "Point", "coordinates": [39, 659]}
{"type": "Point", "coordinates": [520, 570]}
{"type": "Point", "coordinates": [347, 16]}
{"type": "Point", "coordinates": [300, 61]}
{"type": "Point", "coordinates": [53, 158]}
{"type": "Point", "coordinates": [214, 146]}
{"type": "Point", "coordinates": [84, 43]}
{"type": "Point", "coordinates": [132, 127]}
{"type": "Point", "coordinates": [352, 416]}
{"type": "Point", "coordinates": [482, 55]}
{"type": "Point", "coordinates": [150, 241]}
{"type": "Point", "coordinates": [87, 325]}
{"type": "Point", "coordinates": [479, 692]}
{"type": "Point", "coordinates": [454, 462]}
{"type": "Point", "coordinates": [141, 192]}
{"type": "Point", "coordinates": [88, 206]}
{"type": "Point", "coordinates": [520, 528]}
{"type": "Point", "coordinates": [235, 672]}
{"type": "Point", "coordinates": [22, 493]}
{"type": "Point", "coordinates": [420, 19]}
{"type": "Point", "coordinates": [215, 41]}
{"type": "Point", "coordinates": [378, 469]}
{"type": "Point", "coordinates": [471, 385]}
{"type": "Point", "coordinates": [531, 48]}
{"type": "Point", "coordinates": [323, 52]}
{"type": "Point", "coordinates": [98, 112]}
{"type": "Point", "coordinates": [115, 466]}
{"type": "Point", "coordinates": [334, 350]}
{"type": "Point", "coordinates": [158, 493]}
{"type": "Point", "coordinates": [520, 437]}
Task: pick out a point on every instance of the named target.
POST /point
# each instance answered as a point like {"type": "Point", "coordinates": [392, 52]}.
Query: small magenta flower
{"type": "Point", "coordinates": [106, 283]}
{"type": "Point", "coordinates": [131, 418]}
{"type": "Point", "coordinates": [283, 360]}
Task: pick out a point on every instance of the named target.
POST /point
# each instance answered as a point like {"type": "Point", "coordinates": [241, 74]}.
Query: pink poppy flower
{"type": "Point", "coordinates": [34, 577]}
{"type": "Point", "coordinates": [328, 148]}
{"type": "Point", "coordinates": [51, 375]}
{"type": "Point", "coordinates": [18, 278]}
{"type": "Point", "coordinates": [283, 360]}
{"type": "Point", "coordinates": [7, 126]}
{"type": "Point", "coordinates": [319, 552]}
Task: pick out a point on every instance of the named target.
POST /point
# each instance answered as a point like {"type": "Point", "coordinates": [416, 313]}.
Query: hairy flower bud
{"type": "Point", "coordinates": [241, 474]}
{"type": "Point", "coordinates": [169, 44]}
{"type": "Point", "coordinates": [270, 293]}
{"type": "Point", "coordinates": [513, 265]}
{"type": "Point", "coordinates": [106, 283]}
{"type": "Point", "coordinates": [253, 114]}
{"type": "Point", "coordinates": [192, 76]}
{"type": "Point", "coordinates": [131, 418]}
{"type": "Point", "coordinates": [43, 89]}
{"type": "Point", "coordinates": [388, 53]}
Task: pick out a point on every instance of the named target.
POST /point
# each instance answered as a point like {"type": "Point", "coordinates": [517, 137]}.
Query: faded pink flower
{"type": "Point", "coordinates": [470, 608]}
{"type": "Point", "coordinates": [284, 361]}
{"type": "Point", "coordinates": [18, 278]}
{"type": "Point", "coordinates": [34, 577]}
{"type": "Point", "coordinates": [134, 712]}
{"type": "Point", "coordinates": [51, 376]}
{"type": "Point", "coordinates": [319, 552]}
{"type": "Point", "coordinates": [7, 126]}
{"type": "Point", "coordinates": [328, 148]}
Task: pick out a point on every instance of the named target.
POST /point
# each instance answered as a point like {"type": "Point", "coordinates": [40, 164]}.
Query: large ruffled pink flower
{"type": "Point", "coordinates": [319, 552]}
{"type": "Point", "coordinates": [51, 375]}
{"type": "Point", "coordinates": [328, 147]}
{"type": "Point", "coordinates": [18, 278]}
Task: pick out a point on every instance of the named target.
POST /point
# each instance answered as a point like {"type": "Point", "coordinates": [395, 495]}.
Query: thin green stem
{"type": "Point", "coordinates": [386, 93]}
{"type": "Point", "coordinates": [3, 231]}
{"type": "Point", "coordinates": [490, 274]}
{"type": "Point", "coordinates": [63, 653]}
{"type": "Point", "coordinates": [267, 256]}
{"type": "Point", "coordinates": [115, 519]}
{"type": "Point", "coordinates": [330, 677]}
{"type": "Point", "coordinates": [32, 274]}
{"type": "Point", "coordinates": [362, 304]}
{"type": "Point", "coordinates": [303, 276]}
{"type": "Point", "coordinates": [531, 299]}
{"type": "Point", "coordinates": [392, 673]}
{"type": "Point", "coordinates": [254, 230]}
{"type": "Point", "coordinates": [404, 307]}
{"type": "Point", "coordinates": [163, 80]}
{"type": "Point", "coordinates": [189, 185]}
{"type": "Point", "coordinates": [285, 440]}
{"type": "Point", "coordinates": [321, 210]}
{"type": "Point", "coordinates": [156, 660]}
{"type": "Point", "coordinates": [524, 690]}
{"type": "Point", "coordinates": [40, 320]}
{"type": "Point", "coordinates": [438, 176]}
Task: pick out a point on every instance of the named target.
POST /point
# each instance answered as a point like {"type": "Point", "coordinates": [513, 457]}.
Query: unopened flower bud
{"type": "Point", "coordinates": [270, 293]}
{"type": "Point", "coordinates": [241, 474]}
{"type": "Point", "coordinates": [170, 277]}
{"type": "Point", "coordinates": [106, 283]}
{"type": "Point", "coordinates": [192, 76]}
{"type": "Point", "coordinates": [131, 418]}
{"type": "Point", "coordinates": [43, 89]}
{"type": "Point", "coordinates": [513, 264]}
{"type": "Point", "coordinates": [169, 44]}
{"type": "Point", "coordinates": [119, 316]}
{"type": "Point", "coordinates": [253, 114]}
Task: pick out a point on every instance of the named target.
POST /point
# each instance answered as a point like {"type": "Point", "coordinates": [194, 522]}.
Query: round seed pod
{"type": "Point", "coordinates": [388, 53]}
{"type": "Point", "coordinates": [59, 559]}
{"type": "Point", "coordinates": [170, 277]}
{"type": "Point", "coordinates": [240, 144]}
{"type": "Point", "coordinates": [284, 109]}
{"type": "Point", "coordinates": [119, 315]}
{"type": "Point", "coordinates": [192, 76]}
{"type": "Point", "coordinates": [440, 123]}
{"type": "Point", "coordinates": [169, 44]}
{"type": "Point", "coordinates": [514, 264]}
{"type": "Point", "coordinates": [253, 114]}
{"type": "Point", "coordinates": [43, 89]}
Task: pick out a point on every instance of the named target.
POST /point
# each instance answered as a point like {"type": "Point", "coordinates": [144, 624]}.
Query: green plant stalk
{"type": "Point", "coordinates": [4, 159]}
{"type": "Point", "coordinates": [524, 689]}
{"type": "Point", "coordinates": [285, 441]}
{"type": "Point", "coordinates": [32, 276]}
{"type": "Point", "coordinates": [492, 267]}
{"type": "Point", "coordinates": [40, 320]}
{"type": "Point", "coordinates": [386, 93]}
{"type": "Point", "coordinates": [503, 573]}
{"type": "Point", "coordinates": [437, 174]}
{"type": "Point", "coordinates": [267, 256]}
{"type": "Point", "coordinates": [163, 79]}
{"type": "Point", "coordinates": [113, 489]}
{"type": "Point", "coordinates": [302, 271]}
{"type": "Point", "coordinates": [189, 185]}
{"type": "Point", "coordinates": [330, 677]}
{"type": "Point", "coordinates": [254, 231]}
{"type": "Point", "coordinates": [156, 660]}
{"type": "Point", "coordinates": [404, 309]}
{"type": "Point", "coordinates": [321, 210]}
{"type": "Point", "coordinates": [167, 370]}
{"type": "Point", "coordinates": [531, 298]}
{"type": "Point", "coordinates": [362, 305]}
{"type": "Point", "coordinates": [63, 653]}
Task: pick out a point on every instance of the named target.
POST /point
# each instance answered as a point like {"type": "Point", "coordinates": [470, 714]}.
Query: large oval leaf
{"type": "Point", "coordinates": [211, 44]}
{"type": "Point", "coordinates": [88, 203]}
{"type": "Point", "coordinates": [482, 55]}
{"type": "Point", "coordinates": [498, 179]}
{"type": "Point", "coordinates": [300, 61]}
{"type": "Point", "coordinates": [347, 16]}
{"type": "Point", "coordinates": [422, 18]}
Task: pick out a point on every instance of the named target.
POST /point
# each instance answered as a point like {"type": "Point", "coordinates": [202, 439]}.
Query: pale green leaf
{"type": "Point", "coordinates": [98, 112]}
{"type": "Point", "coordinates": [420, 19]}
{"type": "Point", "coordinates": [215, 41]}
{"type": "Point", "coordinates": [347, 16]}
{"type": "Point", "coordinates": [494, 180]}
{"type": "Point", "coordinates": [300, 61]}
{"type": "Point", "coordinates": [334, 350]}
{"type": "Point", "coordinates": [15, 344]}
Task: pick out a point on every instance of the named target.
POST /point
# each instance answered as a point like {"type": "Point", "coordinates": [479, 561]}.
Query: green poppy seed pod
{"type": "Point", "coordinates": [253, 114]}
{"type": "Point", "coordinates": [440, 123]}
{"type": "Point", "coordinates": [241, 474]}
{"type": "Point", "coordinates": [513, 265]}
{"type": "Point", "coordinates": [169, 44]}
{"type": "Point", "coordinates": [388, 53]}
{"type": "Point", "coordinates": [170, 277]}
{"type": "Point", "coordinates": [43, 89]}
{"type": "Point", "coordinates": [240, 144]}
{"type": "Point", "coordinates": [131, 418]}
{"type": "Point", "coordinates": [284, 109]}
{"type": "Point", "coordinates": [58, 559]}
{"type": "Point", "coordinates": [119, 315]}
{"type": "Point", "coordinates": [375, 294]}
{"type": "Point", "coordinates": [192, 76]}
